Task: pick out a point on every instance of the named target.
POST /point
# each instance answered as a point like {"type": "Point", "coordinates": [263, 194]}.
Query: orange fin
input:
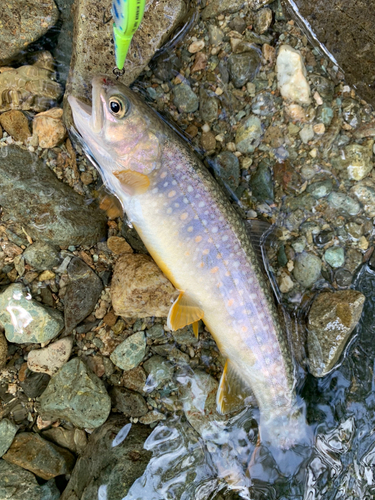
{"type": "Point", "coordinates": [196, 328]}
{"type": "Point", "coordinates": [233, 394]}
{"type": "Point", "coordinates": [183, 312]}
{"type": "Point", "coordinates": [133, 182]}
{"type": "Point", "coordinates": [111, 205]}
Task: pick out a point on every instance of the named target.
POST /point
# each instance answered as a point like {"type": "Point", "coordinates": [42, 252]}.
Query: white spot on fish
{"type": "Point", "coordinates": [201, 204]}
{"type": "Point", "coordinates": [190, 189]}
{"type": "Point", "coordinates": [190, 229]}
{"type": "Point", "coordinates": [225, 237]}
{"type": "Point", "coordinates": [169, 211]}
{"type": "Point", "coordinates": [155, 190]}
{"type": "Point", "coordinates": [214, 229]}
{"type": "Point", "coordinates": [185, 200]}
{"type": "Point", "coordinates": [174, 183]}
{"type": "Point", "coordinates": [165, 184]}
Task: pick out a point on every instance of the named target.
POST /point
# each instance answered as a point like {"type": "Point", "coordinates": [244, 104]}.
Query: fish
{"type": "Point", "coordinates": [202, 246]}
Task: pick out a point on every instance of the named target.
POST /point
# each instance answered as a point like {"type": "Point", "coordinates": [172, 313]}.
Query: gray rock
{"type": "Point", "coordinates": [48, 209]}
{"type": "Point", "coordinates": [358, 160]}
{"type": "Point", "coordinates": [216, 35]}
{"type": "Point", "coordinates": [7, 432]}
{"type": "Point", "coordinates": [114, 463]}
{"type": "Point", "coordinates": [82, 293]}
{"type": "Point", "coordinates": [41, 256]}
{"type": "Point", "coordinates": [264, 104]}
{"type": "Point", "coordinates": [307, 268]}
{"type": "Point", "coordinates": [74, 440]}
{"type": "Point", "coordinates": [320, 189]}
{"type": "Point", "coordinates": [335, 256]}
{"type": "Point", "coordinates": [185, 336]}
{"type": "Point", "coordinates": [129, 403]}
{"type": "Point", "coordinates": [77, 395]}
{"type": "Point", "coordinates": [306, 134]}
{"type": "Point", "coordinates": [185, 99]}
{"type": "Point", "coordinates": [47, 460]}
{"type": "Point", "coordinates": [353, 259]}
{"type": "Point", "coordinates": [343, 278]}
{"type": "Point", "coordinates": [248, 135]}
{"type": "Point", "coordinates": [25, 320]}
{"type": "Point", "coordinates": [21, 28]}
{"type": "Point", "coordinates": [244, 67]}
{"type": "Point", "coordinates": [17, 483]}
{"type": "Point", "coordinates": [299, 244]}
{"type": "Point", "coordinates": [227, 168]}
{"type": "Point", "coordinates": [35, 384]}
{"type": "Point", "coordinates": [342, 201]}
{"type": "Point", "coordinates": [364, 191]}
{"type": "Point", "coordinates": [332, 318]}
{"type": "Point", "coordinates": [217, 7]}
{"type": "Point", "coordinates": [208, 106]}
{"type": "Point", "coordinates": [159, 371]}
{"type": "Point", "coordinates": [130, 353]}
{"type": "Point", "coordinates": [50, 491]}
{"type": "Point", "coordinates": [156, 331]}
{"type": "Point", "coordinates": [261, 184]}
{"type": "Point", "coordinates": [3, 350]}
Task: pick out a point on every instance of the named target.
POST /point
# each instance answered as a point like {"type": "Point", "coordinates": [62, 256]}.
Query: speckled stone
{"type": "Point", "coordinates": [17, 483]}
{"type": "Point", "coordinates": [130, 353]}
{"type": "Point", "coordinates": [129, 403]}
{"type": "Point", "coordinates": [41, 255]}
{"type": "Point", "coordinates": [334, 256]}
{"type": "Point", "coordinates": [249, 134]}
{"type": "Point", "coordinates": [77, 395]}
{"type": "Point", "coordinates": [364, 191]}
{"type": "Point", "coordinates": [291, 76]}
{"type": "Point", "coordinates": [244, 67]}
{"type": "Point", "coordinates": [332, 318]}
{"type": "Point", "coordinates": [51, 358]}
{"type": "Point", "coordinates": [159, 371]}
{"type": "Point", "coordinates": [320, 189]}
{"type": "Point", "coordinates": [307, 268]}
{"type": "Point", "coordinates": [7, 432]}
{"type": "Point", "coordinates": [185, 99]}
{"type": "Point", "coordinates": [25, 320]}
{"type": "Point", "coordinates": [342, 201]}
{"type": "Point", "coordinates": [3, 350]}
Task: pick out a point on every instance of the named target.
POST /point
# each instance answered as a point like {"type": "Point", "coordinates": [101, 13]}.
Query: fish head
{"type": "Point", "coordinates": [121, 132]}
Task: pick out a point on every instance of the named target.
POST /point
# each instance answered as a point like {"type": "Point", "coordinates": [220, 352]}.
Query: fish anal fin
{"type": "Point", "coordinates": [196, 328]}
{"type": "Point", "coordinates": [184, 312]}
{"type": "Point", "coordinates": [132, 182]}
{"type": "Point", "coordinates": [232, 392]}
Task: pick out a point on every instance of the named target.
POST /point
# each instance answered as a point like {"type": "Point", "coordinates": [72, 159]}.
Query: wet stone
{"type": "Point", "coordinates": [261, 184]}
{"type": "Point", "coordinates": [82, 293]}
{"type": "Point", "coordinates": [334, 256]}
{"type": "Point", "coordinates": [249, 134]}
{"type": "Point", "coordinates": [129, 403]}
{"type": "Point", "coordinates": [49, 128]}
{"type": "Point", "coordinates": [307, 267]}
{"type": "Point", "coordinates": [134, 379]}
{"type": "Point", "coordinates": [208, 107]}
{"type": "Point", "coordinates": [244, 67]}
{"type": "Point", "coordinates": [185, 99]}
{"type": "Point", "coordinates": [332, 318]}
{"type": "Point", "coordinates": [48, 209]}
{"type": "Point", "coordinates": [7, 432]}
{"type": "Point", "coordinates": [130, 353]}
{"type": "Point", "coordinates": [35, 384]}
{"type": "Point", "coordinates": [299, 244]}
{"type": "Point", "coordinates": [343, 278]}
{"type": "Point", "coordinates": [16, 125]}
{"type": "Point", "coordinates": [227, 167]}
{"type": "Point", "coordinates": [156, 331]}
{"type": "Point", "coordinates": [185, 336]}
{"type": "Point", "coordinates": [264, 104]}
{"type": "Point", "coordinates": [152, 417]}
{"type": "Point", "coordinates": [51, 358]}
{"type": "Point", "coordinates": [323, 237]}
{"type": "Point", "coordinates": [74, 440]}
{"type": "Point", "coordinates": [3, 350]}
{"type": "Point", "coordinates": [17, 483]}
{"type": "Point", "coordinates": [47, 460]}
{"type": "Point", "coordinates": [291, 76]}
{"type": "Point", "coordinates": [217, 7]}
{"type": "Point", "coordinates": [353, 260]}
{"type": "Point", "coordinates": [159, 371]}
{"type": "Point", "coordinates": [263, 20]}
{"type": "Point", "coordinates": [306, 134]}
{"type": "Point", "coordinates": [41, 256]}
{"type": "Point", "coordinates": [320, 189]}
{"type": "Point", "coordinates": [34, 322]}
{"type": "Point", "coordinates": [358, 160]}
{"type": "Point", "coordinates": [364, 191]}
{"type": "Point", "coordinates": [77, 395]}
{"type": "Point", "coordinates": [342, 201]}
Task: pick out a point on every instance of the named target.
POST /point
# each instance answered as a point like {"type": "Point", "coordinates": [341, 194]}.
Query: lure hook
{"type": "Point", "coordinates": [118, 72]}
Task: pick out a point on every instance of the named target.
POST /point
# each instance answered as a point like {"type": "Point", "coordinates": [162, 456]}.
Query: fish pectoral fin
{"type": "Point", "coordinates": [132, 182]}
{"type": "Point", "coordinates": [184, 312]}
{"type": "Point", "coordinates": [232, 392]}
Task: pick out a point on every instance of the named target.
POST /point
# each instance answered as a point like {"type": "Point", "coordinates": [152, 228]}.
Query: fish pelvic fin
{"type": "Point", "coordinates": [132, 182]}
{"type": "Point", "coordinates": [232, 394]}
{"type": "Point", "coordinates": [184, 311]}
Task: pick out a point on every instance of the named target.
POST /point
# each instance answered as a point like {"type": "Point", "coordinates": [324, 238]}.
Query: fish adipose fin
{"type": "Point", "coordinates": [132, 182]}
{"type": "Point", "coordinates": [232, 392]}
{"type": "Point", "coordinates": [184, 312]}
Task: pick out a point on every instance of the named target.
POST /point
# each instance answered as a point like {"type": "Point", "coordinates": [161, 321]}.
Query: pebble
{"type": "Point", "coordinates": [208, 107]}
{"type": "Point", "coordinates": [128, 403]}
{"type": "Point", "coordinates": [307, 134]}
{"type": "Point", "coordinates": [261, 184]}
{"type": "Point", "coordinates": [82, 293]}
{"type": "Point", "coordinates": [41, 256]}
{"type": "Point", "coordinates": [49, 128]}
{"type": "Point", "coordinates": [249, 134]}
{"type": "Point", "coordinates": [335, 256]}
{"type": "Point", "coordinates": [307, 267]}
{"type": "Point", "coordinates": [343, 278]}
{"type": "Point", "coordinates": [25, 320]}
{"type": "Point", "coordinates": [227, 169]}
{"type": "Point", "coordinates": [139, 289]}
{"type": "Point", "coordinates": [331, 320]}
{"type": "Point", "coordinates": [244, 67]}
{"type": "Point", "coordinates": [216, 34]}
{"type": "Point", "coordinates": [45, 459]}
{"type": "Point", "coordinates": [156, 331]}
{"type": "Point", "coordinates": [50, 359]}
{"type": "Point", "coordinates": [320, 189]}
{"type": "Point", "coordinates": [217, 7]}
{"type": "Point", "coordinates": [135, 379]}
{"type": "Point", "coordinates": [364, 191]}
{"type": "Point", "coordinates": [299, 244]}
{"type": "Point", "coordinates": [264, 104]}
{"type": "Point", "coordinates": [195, 47]}
{"type": "Point", "coordinates": [46, 276]}
{"type": "Point", "coordinates": [3, 350]}
{"type": "Point", "coordinates": [291, 76]}
{"type": "Point", "coordinates": [7, 432]}
{"type": "Point", "coordinates": [130, 353]}
{"type": "Point", "coordinates": [263, 20]}
{"type": "Point", "coordinates": [353, 260]}
{"type": "Point", "coordinates": [295, 113]}
{"type": "Point", "coordinates": [285, 283]}
{"type": "Point", "coordinates": [18, 484]}
{"type": "Point", "coordinates": [74, 440]}
{"type": "Point", "coordinates": [342, 201]}
{"type": "Point", "coordinates": [16, 125]}
{"type": "Point", "coordinates": [185, 99]}
{"type": "Point", "coordinates": [34, 384]}
{"type": "Point", "coordinates": [208, 142]}
{"type": "Point", "coordinates": [185, 336]}
{"type": "Point", "coordinates": [77, 395]}
{"type": "Point", "coordinates": [159, 371]}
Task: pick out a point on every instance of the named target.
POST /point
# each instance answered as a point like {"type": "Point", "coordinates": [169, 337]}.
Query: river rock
{"type": "Point", "coordinates": [35, 384]}
{"type": "Point", "coordinates": [7, 432]}
{"type": "Point", "coordinates": [159, 371]}
{"type": "Point", "coordinates": [364, 191]}
{"type": "Point", "coordinates": [48, 209]}
{"type": "Point", "coordinates": [248, 134]}
{"type": "Point", "coordinates": [82, 293]}
{"type": "Point", "coordinates": [49, 128]}
{"type": "Point", "coordinates": [217, 7]}
{"type": "Point", "coordinates": [307, 268]}
{"type": "Point", "coordinates": [291, 76]}
{"type": "Point", "coordinates": [320, 189]}
{"type": "Point", "coordinates": [15, 123]}
{"type": "Point", "coordinates": [17, 483]}
{"type": "Point", "coordinates": [261, 184]}
{"type": "Point", "coordinates": [334, 256]}
{"type": "Point", "coordinates": [114, 458]}
{"type": "Point", "coordinates": [342, 201]}
{"type": "Point", "coordinates": [3, 350]}
{"type": "Point", "coordinates": [332, 318]}
{"type": "Point", "coordinates": [24, 21]}
{"type": "Point", "coordinates": [135, 379]}
{"type": "Point", "coordinates": [139, 289]}
{"type": "Point", "coordinates": [41, 255]}
{"type": "Point", "coordinates": [185, 99]}
{"type": "Point", "coordinates": [77, 395]}
{"type": "Point", "coordinates": [26, 320]}
{"type": "Point", "coordinates": [47, 460]}
{"type": "Point", "coordinates": [358, 160]}
{"type": "Point", "coordinates": [74, 440]}
{"type": "Point", "coordinates": [130, 353]}
{"type": "Point", "coordinates": [346, 30]}
{"type": "Point", "coordinates": [129, 403]}
{"type": "Point", "coordinates": [50, 359]}
{"type": "Point", "coordinates": [227, 168]}
{"type": "Point", "coordinates": [244, 67]}
{"type": "Point", "coordinates": [92, 39]}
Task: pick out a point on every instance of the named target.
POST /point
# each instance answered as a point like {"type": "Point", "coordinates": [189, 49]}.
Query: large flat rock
{"type": "Point", "coordinates": [346, 29]}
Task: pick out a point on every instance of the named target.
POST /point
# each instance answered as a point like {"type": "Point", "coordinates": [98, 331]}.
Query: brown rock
{"type": "Point", "coordinates": [139, 289]}
{"type": "Point", "coordinates": [49, 128]}
{"type": "Point", "coordinates": [118, 245]}
{"type": "Point", "coordinates": [3, 350]}
{"type": "Point", "coordinates": [208, 141]}
{"type": "Point", "coordinates": [75, 439]}
{"type": "Point", "coordinates": [134, 379]}
{"type": "Point", "coordinates": [200, 62]}
{"type": "Point", "coordinates": [16, 125]}
{"type": "Point", "coordinates": [45, 459]}
{"type": "Point", "coordinates": [332, 318]}
{"type": "Point", "coordinates": [51, 358]}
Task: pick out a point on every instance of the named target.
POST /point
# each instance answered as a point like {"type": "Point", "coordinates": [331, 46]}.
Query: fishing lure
{"type": "Point", "coordinates": [128, 15]}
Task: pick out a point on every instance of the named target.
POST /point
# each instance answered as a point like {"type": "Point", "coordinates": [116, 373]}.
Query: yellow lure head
{"type": "Point", "coordinates": [128, 15]}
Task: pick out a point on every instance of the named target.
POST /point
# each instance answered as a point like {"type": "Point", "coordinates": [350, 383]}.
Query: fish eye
{"type": "Point", "coordinates": [118, 106]}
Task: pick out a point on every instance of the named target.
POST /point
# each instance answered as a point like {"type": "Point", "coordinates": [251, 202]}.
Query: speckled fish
{"type": "Point", "coordinates": [201, 245]}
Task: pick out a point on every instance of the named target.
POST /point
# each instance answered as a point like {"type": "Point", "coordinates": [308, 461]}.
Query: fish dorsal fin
{"type": "Point", "coordinates": [184, 312]}
{"type": "Point", "coordinates": [132, 182]}
{"type": "Point", "coordinates": [232, 392]}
